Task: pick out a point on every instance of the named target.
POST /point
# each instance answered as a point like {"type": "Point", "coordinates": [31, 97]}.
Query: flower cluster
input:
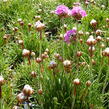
{"type": "Point", "coordinates": [77, 12]}
{"type": "Point", "coordinates": [69, 34]}
{"type": "Point", "coordinates": [62, 11]}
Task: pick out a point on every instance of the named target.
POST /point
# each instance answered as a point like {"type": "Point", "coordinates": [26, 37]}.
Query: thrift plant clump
{"type": "Point", "coordinates": [54, 54]}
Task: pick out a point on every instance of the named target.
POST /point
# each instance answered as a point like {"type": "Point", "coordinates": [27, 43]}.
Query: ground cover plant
{"type": "Point", "coordinates": [54, 54]}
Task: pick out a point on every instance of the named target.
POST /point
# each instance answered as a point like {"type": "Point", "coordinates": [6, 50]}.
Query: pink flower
{"type": "Point", "coordinates": [62, 11]}
{"type": "Point", "coordinates": [69, 34]}
{"type": "Point", "coordinates": [77, 12]}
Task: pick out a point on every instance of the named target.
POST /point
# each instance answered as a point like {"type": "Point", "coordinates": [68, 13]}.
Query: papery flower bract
{"type": "Point", "coordinates": [69, 34]}
{"type": "Point", "coordinates": [77, 12]}
{"type": "Point", "coordinates": [62, 11]}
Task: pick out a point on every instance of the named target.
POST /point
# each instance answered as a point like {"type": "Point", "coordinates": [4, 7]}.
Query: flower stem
{"type": "Point", "coordinates": [0, 92]}
{"type": "Point", "coordinates": [106, 79]}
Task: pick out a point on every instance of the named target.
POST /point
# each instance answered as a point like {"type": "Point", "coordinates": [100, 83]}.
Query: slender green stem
{"type": "Point", "coordinates": [0, 92]}
{"type": "Point", "coordinates": [106, 79]}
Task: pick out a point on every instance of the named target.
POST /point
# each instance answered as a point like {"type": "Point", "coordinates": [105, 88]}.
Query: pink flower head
{"type": "Point", "coordinates": [69, 34]}
{"type": "Point", "coordinates": [62, 11]}
{"type": "Point", "coordinates": [77, 12]}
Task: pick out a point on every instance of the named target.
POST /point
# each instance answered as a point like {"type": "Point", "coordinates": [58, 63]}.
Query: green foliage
{"type": "Point", "coordinates": [57, 86]}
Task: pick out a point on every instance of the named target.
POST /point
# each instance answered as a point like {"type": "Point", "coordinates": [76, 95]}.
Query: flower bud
{"type": "Point", "coordinates": [29, 25]}
{"type": "Point", "coordinates": [106, 52]}
{"type": "Point", "coordinates": [88, 83]}
{"type": "Point", "coordinates": [39, 26]}
{"type": "Point", "coordinates": [65, 26]}
{"type": "Point", "coordinates": [1, 80]}
{"type": "Point", "coordinates": [21, 97]}
{"type": "Point", "coordinates": [53, 65]}
{"type": "Point", "coordinates": [60, 58]}
{"type": "Point", "coordinates": [40, 91]}
{"type": "Point", "coordinates": [93, 23]}
{"type": "Point", "coordinates": [107, 20]}
{"type": "Point", "coordinates": [27, 90]}
{"type": "Point", "coordinates": [91, 49]}
{"type": "Point", "coordinates": [15, 29]}
{"type": "Point", "coordinates": [99, 38]}
{"type": "Point", "coordinates": [37, 18]}
{"type": "Point", "coordinates": [67, 63]}
{"type": "Point", "coordinates": [87, 33]}
{"type": "Point", "coordinates": [103, 6]}
{"type": "Point", "coordinates": [76, 81]}
{"type": "Point", "coordinates": [107, 39]}
{"type": "Point", "coordinates": [20, 42]}
{"type": "Point", "coordinates": [21, 23]}
{"type": "Point", "coordinates": [80, 33]}
{"type": "Point", "coordinates": [61, 36]}
{"type": "Point", "coordinates": [6, 36]}
{"type": "Point", "coordinates": [38, 60]}
{"type": "Point", "coordinates": [33, 54]}
{"type": "Point", "coordinates": [19, 20]}
{"type": "Point", "coordinates": [81, 41]}
{"type": "Point", "coordinates": [83, 63]}
{"type": "Point", "coordinates": [98, 32]}
{"type": "Point", "coordinates": [47, 50]}
{"type": "Point", "coordinates": [93, 62]}
{"type": "Point", "coordinates": [52, 12]}
{"type": "Point", "coordinates": [16, 107]}
{"type": "Point", "coordinates": [79, 53]}
{"type": "Point", "coordinates": [102, 45]}
{"type": "Point", "coordinates": [43, 56]}
{"type": "Point", "coordinates": [25, 52]}
{"type": "Point", "coordinates": [57, 55]}
{"type": "Point", "coordinates": [91, 41]}
{"type": "Point", "coordinates": [33, 74]}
